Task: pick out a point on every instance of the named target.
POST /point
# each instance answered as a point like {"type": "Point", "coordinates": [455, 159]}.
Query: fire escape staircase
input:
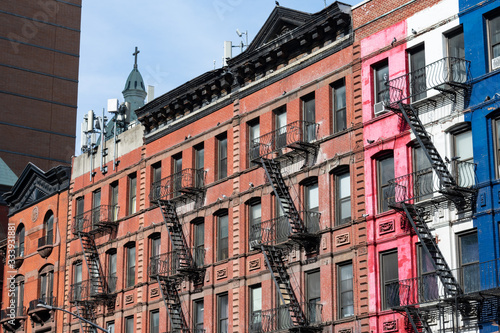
{"type": "Point", "coordinates": [185, 266]}
{"type": "Point", "coordinates": [456, 78]}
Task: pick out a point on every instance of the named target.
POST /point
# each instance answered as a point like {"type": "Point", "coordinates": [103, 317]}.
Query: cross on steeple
{"type": "Point", "coordinates": [135, 55]}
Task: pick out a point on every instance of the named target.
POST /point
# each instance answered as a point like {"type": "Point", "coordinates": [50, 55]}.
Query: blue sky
{"type": "Point", "coordinates": [178, 40]}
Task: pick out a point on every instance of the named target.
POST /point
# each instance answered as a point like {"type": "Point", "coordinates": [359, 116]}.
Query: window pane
{"type": "Point", "coordinates": [469, 248]}
{"type": "Point", "coordinates": [154, 323]}
{"type": "Point", "coordinates": [381, 74]}
{"type": "Point", "coordinates": [155, 247]}
{"type": "Point", "coordinates": [312, 197]}
{"type": "Point", "coordinates": [495, 30]}
{"type": "Point", "coordinates": [130, 266]}
{"type": "Point", "coordinates": [386, 170]}
{"type": "Point", "coordinates": [223, 251]}
{"type": "Point", "coordinates": [456, 47]}
{"type": "Point", "coordinates": [463, 143]}
{"type": "Point", "coordinates": [256, 299]}
{"type": "Point", "coordinates": [198, 315]}
{"type": "Point", "coordinates": [200, 158]}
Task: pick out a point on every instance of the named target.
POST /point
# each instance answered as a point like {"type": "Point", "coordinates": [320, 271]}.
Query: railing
{"type": "Point", "coordinates": [17, 312]}
{"type": "Point", "coordinates": [87, 289]}
{"type": "Point", "coordinates": [422, 185]}
{"type": "Point", "coordinates": [95, 218]}
{"type": "Point", "coordinates": [173, 263]}
{"type": "Point", "coordinates": [440, 75]}
{"type": "Point", "coordinates": [278, 319]}
{"type": "Point", "coordinates": [278, 230]}
{"type": "Point", "coordinates": [43, 241]}
{"type": "Point", "coordinates": [296, 133]}
{"type": "Point", "coordinates": [42, 300]}
{"type": "Point", "coordinates": [473, 278]}
{"type": "Point", "coordinates": [19, 252]}
{"type": "Point", "coordinates": [173, 186]}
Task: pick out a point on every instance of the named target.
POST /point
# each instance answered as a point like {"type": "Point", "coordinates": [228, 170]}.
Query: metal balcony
{"type": "Point", "coordinates": [299, 135]}
{"type": "Point", "coordinates": [278, 319]}
{"type": "Point", "coordinates": [11, 318]}
{"type": "Point", "coordinates": [47, 300]}
{"type": "Point", "coordinates": [478, 280]}
{"type": "Point", "coordinates": [278, 230]}
{"type": "Point", "coordinates": [96, 220]}
{"type": "Point", "coordinates": [91, 289]}
{"type": "Point", "coordinates": [171, 187]}
{"type": "Point", "coordinates": [424, 184]}
{"type": "Point", "coordinates": [174, 264]}
{"type": "Point", "coordinates": [448, 76]}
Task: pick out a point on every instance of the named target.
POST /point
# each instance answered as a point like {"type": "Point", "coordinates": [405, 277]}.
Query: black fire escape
{"type": "Point", "coordinates": [182, 262]}
{"type": "Point", "coordinates": [293, 227]}
{"type": "Point", "coordinates": [87, 294]}
{"type": "Point", "coordinates": [444, 81]}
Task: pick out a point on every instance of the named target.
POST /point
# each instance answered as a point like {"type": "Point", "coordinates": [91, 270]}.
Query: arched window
{"type": "Point", "coordinates": [48, 225]}
{"type": "Point", "coordinates": [19, 248]}
{"type": "Point", "coordinates": [45, 287]}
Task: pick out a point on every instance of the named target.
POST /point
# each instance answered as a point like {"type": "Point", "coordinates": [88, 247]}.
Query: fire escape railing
{"type": "Point", "coordinates": [47, 300]}
{"type": "Point", "coordinates": [424, 184]}
{"type": "Point", "coordinates": [172, 264]}
{"type": "Point", "coordinates": [476, 278]}
{"type": "Point", "coordinates": [277, 231]}
{"type": "Point", "coordinates": [294, 135]}
{"type": "Point", "coordinates": [90, 289]}
{"type": "Point", "coordinates": [96, 219]}
{"type": "Point", "coordinates": [173, 186]}
{"type": "Point", "coordinates": [446, 74]}
{"type": "Point", "coordinates": [278, 318]}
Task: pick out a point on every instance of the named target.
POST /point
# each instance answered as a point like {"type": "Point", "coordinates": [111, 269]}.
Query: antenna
{"type": "Point", "coordinates": [120, 124]}
{"type": "Point", "coordinates": [240, 34]}
{"type": "Point", "coordinates": [91, 126]}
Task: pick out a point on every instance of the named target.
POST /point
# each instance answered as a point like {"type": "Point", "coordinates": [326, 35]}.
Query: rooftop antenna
{"type": "Point", "coordinates": [120, 114]}
{"type": "Point", "coordinates": [92, 125]}
{"type": "Point", "coordinates": [240, 34]}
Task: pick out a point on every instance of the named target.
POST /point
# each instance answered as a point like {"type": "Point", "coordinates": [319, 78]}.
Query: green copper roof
{"type": "Point", "coordinates": [134, 81]}
{"type": "Point", "coordinates": [7, 176]}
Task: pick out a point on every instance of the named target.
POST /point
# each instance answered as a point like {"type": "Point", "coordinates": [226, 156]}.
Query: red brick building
{"type": "Point", "coordinates": [246, 179]}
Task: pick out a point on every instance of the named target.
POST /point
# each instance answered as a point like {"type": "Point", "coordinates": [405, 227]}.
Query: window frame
{"type": "Point", "coordinates": [462, 266]}
{"type": "Point", "coordinates": [335, 87]}
{"type": "Point", "coordinates": [380, 186]}
{"type": "Point", "coordinates": [130, 265]}
{"type": "Point", "coordinates": [495, 15]}
{"type": "Point", "coordinates": [449, 35]}
{"type": "Point", "coordinates": [417, 80]}
{"type": "Point", "coordinates": [129, 320]}
{"type": "Point", "coordinates": [384, 304]}
{"type": "Point", "coordinates": [251, 219]}
{"type": "Point", "coordinates": [308, 105]}
{"type": "Point", "coordinates": [132, 194]}
{"type": "Point", "coordinates": [113, 199]}
{"type": "Point", "coordinates": [253, 130]}
{"type": "Point", "coordinates": [312, 300]}
{"type": "Point", "coordinates": [197, 324]}
{"type": "Point", "coordinates": [339, 201]}
{"type": "Point", "coordinates": [112, 273]}
{"type": "Point", "coordinates": [342, 291]}
{"type": "Point", "coordinates": [220, 318]}
{"type": "Point", "coordinates": [281, 131]}
{"type": "Point", "coordinates": [377, 86]}
{"type": "Point", "coordinates": [222, 156]}
{"type": "Point", "coordinates": [222, 251]}
{"type": "Point", "coordinates": [151, 321]}
{"type": "Point", "coordinates": [256, 325]}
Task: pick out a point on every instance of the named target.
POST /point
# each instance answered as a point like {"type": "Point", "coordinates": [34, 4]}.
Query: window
{"type": "Point", "coordinates": [222, 236]}
{"type": "Point", "coordinates": [177, 173]}
{"type": "Point", "coordinates": [198, 311]}
{"type": "Point", "coordinates": [427, 282]}
{"type": "Point", "coordinates": [130, 265]}
{"type": "Point", "coordinates": [46, 278]}
{"type": "Point", "coordinates": [423, 186]}
{"type": "Point", "coordinates": [280, 126]}
{"type": "Point", "coordinates": [309, 114]}
{"type": "Point", "coordinates": [77, 281]}
{"type": "Point", "coordinates": [313, 294]}
{"type": "Point", "coordinates": [253, 140]}
{"type": "Point", "coordinates": [311, 198]}
{"type": "Point", "coordinates": [199, 164]}
{"type": "Point", "coordinates": [222, 313]}
{"type": "Point", "coordinates": [255, 308]}
{"type": "Point", "coordinates": [469, 262]}
{"type": "Point", "coordinates": [380, 77]}
{"type": "Point", "coordinates": [345, 290]}
{"type": "Point", "coordinates": [156, 181]}
{"type": "Point", "coordinates": [497, 146]}
{"type": "Point", "coordinates": [129, 324]}
{"type": "Point", "coordinates": [49, 229]}
{"type": "Point", "coordinates": [464, 159]}
{"type": "Point", "coordinates": [222, 156]}
{"type": "Point", "coordinates": [254, 220]}
{"type": "Point", "coordinates": [79, 218]}
{"type": "Point", "coordinates": [110, 326]}
{"type": "Point", "coordinates": [113, 200]}
{"type": "Point", "coordinates": [418, 85]}
{"type": "Point", "coordinates": [112, 277]}
{"type": "Point", "coordinates": [155, 251]}
{"type": "Point", "coordinates": [494, 40]}
{"type": "Point", "coordinates": [339, 115]}
{"type": "Point", "coordinates": [199, 243]}
{"type": "Point", "coordinates": [389, 279]}
{"type": "Point", "coordinates": [385, 192]}
{"type": "Point", "coordinates": [96, 207]}
{"type": "Point", "coordinates": [19, 247]}
{"type": "Point", "coordinates": [343, 195]}
{"type": "Point", "coordinates": [283, 226]}
{"type": "Point", "coordinates": [154, 321]}
{"type": "Point", "coordinates": [132, 194]}
{"type": "Point", "coordinates": [19, 293]}
{"type": "Point", "coordinates": [455, 44]}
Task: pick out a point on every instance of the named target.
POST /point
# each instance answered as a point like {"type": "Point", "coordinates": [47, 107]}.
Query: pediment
{"type": "Point", "coordinates": [281, 21]}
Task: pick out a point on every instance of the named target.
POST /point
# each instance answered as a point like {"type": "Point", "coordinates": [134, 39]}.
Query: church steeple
{"type": "Point", "coordinates": [134, 91]}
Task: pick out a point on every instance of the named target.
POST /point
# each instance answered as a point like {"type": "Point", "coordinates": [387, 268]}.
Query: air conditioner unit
{"type": "Point", "coordinates": [379, 108]}
{"type": "Point", "coordinates": [495, 63]}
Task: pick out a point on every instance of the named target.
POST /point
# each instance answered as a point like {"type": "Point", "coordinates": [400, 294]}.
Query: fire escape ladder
{"type": "Point", "coordinates": [91, 256]}
{"type": "Point", "coordinates": [428, 242]}
{"type": "Point", "coordinates": [170, 295]}
{"type": "Point", "coordinates": [273, 173]}
{"type": "Point", "coordinates": [274, 261]}
{"type": "Point", "coordinates": [176, 235]}
{"type": "Point", "coordinates": [417, 321]}
{"type": "Point", "coordinates": [86, 310]}
{"type": "Point", "coordinates": [410, 114]}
